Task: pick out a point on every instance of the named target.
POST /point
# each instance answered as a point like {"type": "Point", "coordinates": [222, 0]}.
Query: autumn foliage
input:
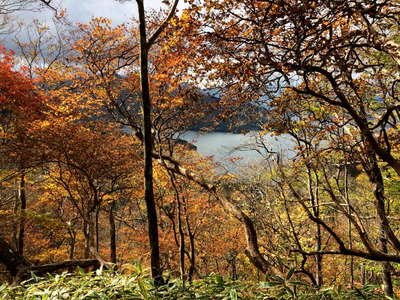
{"type": "Point", "coordinates": [76, 128]}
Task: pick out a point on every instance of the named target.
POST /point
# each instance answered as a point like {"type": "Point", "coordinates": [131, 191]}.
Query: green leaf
{"type": "Point", "coordinates": [290, 273]}
{"type": "Point", "coordinates": [219, 280]}
{"type": "Point", "coordinates": [270, 284]}
{"type": "Point", "coordinates": [233, 294]}
{"type": "Point", "coordinates": [277, 278]}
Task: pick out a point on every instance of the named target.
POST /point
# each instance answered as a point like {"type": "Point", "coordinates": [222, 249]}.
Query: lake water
{"type": "Point", "coordinates": [234, 150]}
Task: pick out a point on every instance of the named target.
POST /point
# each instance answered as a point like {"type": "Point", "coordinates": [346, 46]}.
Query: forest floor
{"type": "Point", "coordinates": [138, 285]}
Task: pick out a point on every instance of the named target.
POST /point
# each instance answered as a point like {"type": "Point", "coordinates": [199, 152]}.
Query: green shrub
{"type": "Point", "coordinates": [113, 285]}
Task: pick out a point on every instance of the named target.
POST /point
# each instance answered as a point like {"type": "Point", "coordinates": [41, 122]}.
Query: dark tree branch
{"type": "Point", "coordinates": [162, 27]}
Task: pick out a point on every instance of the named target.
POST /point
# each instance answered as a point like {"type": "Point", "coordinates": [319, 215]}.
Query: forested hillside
{"type": "Point", "coordinates": [100, 199]}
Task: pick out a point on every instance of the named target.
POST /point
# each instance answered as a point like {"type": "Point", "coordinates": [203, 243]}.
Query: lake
{"type": "Point", "coordinates": [233, 150]}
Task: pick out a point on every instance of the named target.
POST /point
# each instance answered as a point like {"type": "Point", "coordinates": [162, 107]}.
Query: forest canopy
{"type": "Point", "coordinates": [93, 173]}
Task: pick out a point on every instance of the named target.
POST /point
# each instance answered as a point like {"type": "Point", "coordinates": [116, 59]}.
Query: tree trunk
{"type": "Point", "coordinates": [349, 232]}
{"type": "Point", "coordinates": [113, 236]}
{"type": "Point", "coordinates": [69, 264]}
{"type": "Point", "coordinates": [72, 242]}
{"type": "Point", "coordinates": [89, 233]}
{"type": "Point", "coordinates": [15, 263]}
{"type": "Point", "coordinates": [252, 251]}
{"type": "Point", "coordinates": [192, 256]}
{"type": "Point", "coordinates": [375, 176]}
{"type": "Point", "coordinates": [20, 268]}
{"type": "Point", "coordinates": [386, 270]}
{"type": "Point", "coordinates": [156, 271]}
{"type": "Point", "coordinates": [16, 210]}
{"type": "Point", "coordinates": [86, 253]}
{"type": "Point", "coordinates": [22, 201]}
{"type": "Point", "coordinates": [313, 190]}
{"type": "Point", "coordinates": [181, 242]}
{"type": "Point", "coordinates": [192, 260]}
{"type": "Point", "coordinates": [318, 258]}
{"type": "Point", "coordinates": [97, 228]}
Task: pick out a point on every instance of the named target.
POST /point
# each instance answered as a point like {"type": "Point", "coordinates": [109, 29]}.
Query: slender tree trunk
{"type": "Point", "coordinates": [349, 233]}
{"type": "Point", "coordinates": [181, 242]}
{"type": "Point", "coordinates": [234, 271]}
{"type": "Point", "coordinates": [182, 246]}
{"type": "Point", "coordinates": [318, 258]}
{"type": "Point", "coordinates": [113, 235]}
{"type": "Point", "coordinates": [89, 233]}
{"type": "Point", "coordinates": [313, 190]}
{"type": "Point", "coordinates": [375, 176]}
{"type": "Point", "coordinates": [92, 234]}
{"type": "Point", "coordinates": [16, 211]}
{"type": "Point", "coordinates": [97, 228]}
{"type": "Point", "coordinates": [22, 200]}
{"type": "Point", "coordinates": [156, 271]}
{"type": "Point", "coordinates": [386, 273]}
{"type": "Point", "coordinates": [363, 274]}
{"type": "Point", "coordinates": [72, 235]}
{"type": "Point", "coordinates": [86, 253]}
{"type": "Point", "coordinates": [192, 260]}
{"type": "Point", "coordinates": [192, 257]}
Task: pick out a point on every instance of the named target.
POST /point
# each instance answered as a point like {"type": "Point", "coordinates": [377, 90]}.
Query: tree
{"type": "Point", "coordinates": [96, 163]}
{"type": "Point", "coordinates": [53, 150]}
{"type": "Point", "coordinates": [104, 55]}
{"type": "Point", "coordinates": [23, 105]}
{"type": "Point", "coordinates": [331, 55]}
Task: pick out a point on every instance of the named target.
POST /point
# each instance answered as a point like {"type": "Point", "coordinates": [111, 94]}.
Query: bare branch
{"type": "Point", "coordinates": [160, 29]}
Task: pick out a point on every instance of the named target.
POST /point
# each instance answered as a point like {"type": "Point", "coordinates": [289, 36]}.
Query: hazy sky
{"type": "Point", "coordinates": [83, 10]}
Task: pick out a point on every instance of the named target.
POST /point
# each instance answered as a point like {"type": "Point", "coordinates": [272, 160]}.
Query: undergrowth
{"type": "Point", "coordinates": [113, 285]}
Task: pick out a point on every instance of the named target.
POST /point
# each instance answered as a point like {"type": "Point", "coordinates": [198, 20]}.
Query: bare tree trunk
{"type": "Point", "coordinates": [349, 233]}
{"type": "Point", "coordinates": [363, 274]}
{"type": "Point", "coordinates": [182, 248]}
{"type": "Point", "coordinates": [156, 271]}
{"type": "Point", "coordinates": [181, 242]}
{"type": "Point", "coordinates": [97, 228]}
{"type": "Point", "coordinates": [92, 233]}
{"type": "Point", "coordinates": [313, 191]}
{"type": "Point", "coordinates": [20, 268]}
{"type": "Point", "coordinates": [16, 210]}
{"type": "Point", "coordinates": [86, 253]}
{"type": "Point", "coordinates": [252, 251]}
{"type": "Point", "coordinates": [192, 256]}
{"type": "Point", "coordinates": [72, 242]}
{"type": "Point", "coordinates": [192, 260]}
{"type": "Point", "coordinates": [386, 269]}
{"type": "Point", "coordinates": [22, 201]}
{"type": "Point", "coordinates": [89, 233]}
{"type": "Point", "coordinates": [318, 258]}
{"type": "Point", "coordinates": [14, 262]}
{"type": "Point", "coordinates": [375, 176]}
{"type": "Point", "coordinates": [319, 276]}
{"type": "Point", "coordinates": [113, 235]}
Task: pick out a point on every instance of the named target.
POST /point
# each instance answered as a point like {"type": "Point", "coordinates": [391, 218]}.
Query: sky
{"type": "Point", "coordinates": [82, 11]}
